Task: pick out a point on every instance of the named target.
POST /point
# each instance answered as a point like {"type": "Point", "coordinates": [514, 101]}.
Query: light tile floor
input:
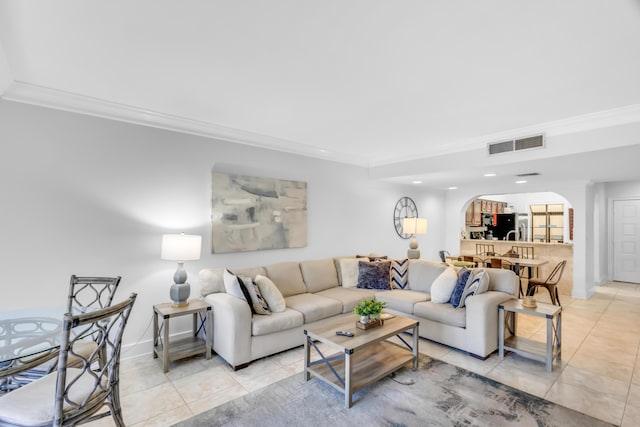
{"type": "Point", "coordinates": [599, 373]}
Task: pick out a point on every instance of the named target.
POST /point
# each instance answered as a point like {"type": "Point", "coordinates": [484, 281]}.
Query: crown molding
{"type": "Point", "coordinates": [67, 101]}
{"type": "Point", "coordinates": [576, 124]}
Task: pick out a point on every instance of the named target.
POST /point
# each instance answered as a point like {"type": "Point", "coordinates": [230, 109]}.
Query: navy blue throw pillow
{"type": "Point", "coordinates": [374, 275]}
{"type": "Point", "coordinates": [458, 290]}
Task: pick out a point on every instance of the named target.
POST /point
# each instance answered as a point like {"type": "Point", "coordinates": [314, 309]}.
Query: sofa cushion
{"type": "Point", "coordinates": [349, 297]}
{"type": "Point", "coordinates": [374, 275]}
{"type": "Point", "coordinates": [442, 287]}
{"type": "Point", "coordinates": [271, 294]}
{"type": "Point", "coordinates": [211, 281]}
{"type": "Point", "coordinates": [287, 277]}
{"type": "Point", "coordinates": [402, 299]}
{"type": "Point", "coordinates": [399, 273]}
{"type": "Point", "coordinates": [249, 271]}
{"type": "Point", "coordinates": [313, 306]}
{"type": "Point", "coordinates": [423, 273]}
{"type": "Point", "coordinates": [442, 313]}
{"type": "Point", "coordinates": [263, 325]}
{"type": "Point", "coordinates": [347, 271]}
{"type": "Point", "coordinates": [319, 274]}
{"type": "Point", "coordinates": [503, 280]}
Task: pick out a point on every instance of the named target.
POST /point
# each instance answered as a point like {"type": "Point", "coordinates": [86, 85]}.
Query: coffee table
{"type": "Point", "coordinates": [355, 362]}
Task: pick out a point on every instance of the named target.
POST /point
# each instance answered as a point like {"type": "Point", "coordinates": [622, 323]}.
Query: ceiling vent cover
{"type": "Point", "coordinates": [527, 143]}
{"type": "Point", "coordinates": [530, 142]}
{"type": "Point", "coordinates": [500, 147]}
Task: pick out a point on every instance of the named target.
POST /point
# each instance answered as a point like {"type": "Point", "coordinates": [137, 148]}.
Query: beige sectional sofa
{"type": "Point", "coordinates": [313, 293]}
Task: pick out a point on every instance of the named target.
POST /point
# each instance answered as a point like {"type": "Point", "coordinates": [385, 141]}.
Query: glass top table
{"type": "Point", "coordinates": [29, 333]}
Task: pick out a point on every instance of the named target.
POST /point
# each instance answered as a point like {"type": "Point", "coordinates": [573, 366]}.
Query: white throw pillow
{"type": "Point", "coordinates": [271, 294]}
{"type": "Point", "coordinates": [442, 286]}
{"type": "Point", "coordinates": [349, 272]}
{"type": "Point", "coordinates": [232, 286]}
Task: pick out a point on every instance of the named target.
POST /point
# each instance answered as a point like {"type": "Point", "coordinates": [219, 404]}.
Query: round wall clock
{"type": "Point", "coordinates": [405, 208]}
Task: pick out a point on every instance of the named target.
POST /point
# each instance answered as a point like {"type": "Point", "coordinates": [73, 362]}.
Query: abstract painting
{"type": "Point", "coordinates": [252, 213]}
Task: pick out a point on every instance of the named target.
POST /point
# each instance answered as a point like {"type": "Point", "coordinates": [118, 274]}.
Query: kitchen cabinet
{"type": "Point", "coordinates": [473, 215]}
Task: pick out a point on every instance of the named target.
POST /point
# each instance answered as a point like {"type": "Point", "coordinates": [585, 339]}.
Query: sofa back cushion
{"type": "Point", "coordinates": [503, 280]}
{"type": "Point", "coordinates": [211, 281]}
{"type": "Point", "coordinates": [423, 273]}
{"type": "Point", "coordinates": [287, 277]}
{"type": "Point", "coordinates": [249, 271]}
{"type": "Point", "coordinates": [319, 274]}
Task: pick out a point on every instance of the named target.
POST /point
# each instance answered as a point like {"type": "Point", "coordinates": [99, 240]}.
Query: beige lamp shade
{"type": "Point", "coordinates": [181, 247]}
{"type": "Point", "coordinates": [414, 225]}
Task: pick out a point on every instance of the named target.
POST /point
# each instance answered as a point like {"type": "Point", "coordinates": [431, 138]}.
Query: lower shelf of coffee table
{"type": "Point", "coordinates": [367, 365]}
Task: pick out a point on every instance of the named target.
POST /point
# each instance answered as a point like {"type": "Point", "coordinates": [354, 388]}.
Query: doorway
{"type": "Point", "coordinates": [626, 240]}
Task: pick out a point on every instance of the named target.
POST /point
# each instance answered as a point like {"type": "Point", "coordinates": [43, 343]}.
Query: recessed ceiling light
{"type": "Point", "coordinates": [417, 182]}
{"type": "Point", "coordinates": [452, 188]}
{"type": "Point", "coordinates": [522, 181]}
{"type": "Point", "coordinates": [489, 174]}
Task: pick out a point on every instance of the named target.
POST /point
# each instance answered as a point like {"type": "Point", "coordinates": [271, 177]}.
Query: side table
{"type": "Point", "coordinates": [185, 347]}
{"type": "Point", "coordinates": [544, 352]}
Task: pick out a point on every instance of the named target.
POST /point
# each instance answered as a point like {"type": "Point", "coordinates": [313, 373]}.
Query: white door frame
{"type": "Point", "coordinates": [610, 229]}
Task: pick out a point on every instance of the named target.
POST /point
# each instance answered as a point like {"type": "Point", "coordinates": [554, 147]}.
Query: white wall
{"type": "Point", "coordinates": [88, 196]}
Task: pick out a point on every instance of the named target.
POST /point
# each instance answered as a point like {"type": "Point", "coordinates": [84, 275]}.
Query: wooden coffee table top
{"type": "Point", "coordinates": [326, 332]}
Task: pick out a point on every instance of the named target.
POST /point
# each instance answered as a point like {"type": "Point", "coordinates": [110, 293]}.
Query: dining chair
{"type": "Point", "coordinates": [74, 395]}
{"type": "Point", "coordinates": [550, 283]}
{"type": "Point", "coordinates": [443, 255]}
{"type": "Point", "coordinates": [484, 249]}
{"type": "Point", "coordinates": [85, 294]}
{"type": "Point", "coordinates": [524, 251]}
{"type": "Point", "coordinates": [88, 293]}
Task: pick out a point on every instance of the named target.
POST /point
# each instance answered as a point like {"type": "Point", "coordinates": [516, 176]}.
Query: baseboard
{"type": "Point", "coordinates": [144, 348]}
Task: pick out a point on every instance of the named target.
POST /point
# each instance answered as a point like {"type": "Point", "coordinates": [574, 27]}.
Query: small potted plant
{"type": "Point", "coordinates": [368, 309]}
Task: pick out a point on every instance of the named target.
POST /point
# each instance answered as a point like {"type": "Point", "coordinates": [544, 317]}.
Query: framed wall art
{"type": "Point", "coordinates": [252, 213]}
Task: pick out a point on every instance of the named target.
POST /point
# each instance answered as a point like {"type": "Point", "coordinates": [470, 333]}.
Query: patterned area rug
{"type": "Point", "coordinates": [437, 394]}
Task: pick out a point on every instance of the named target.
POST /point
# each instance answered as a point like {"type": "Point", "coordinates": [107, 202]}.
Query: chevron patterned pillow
{"type": "Point", "coordinates": [399, 273]}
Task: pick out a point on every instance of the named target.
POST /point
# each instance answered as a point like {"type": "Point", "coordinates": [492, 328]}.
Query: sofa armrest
{"type": "Point", "coordinates": [482, 321]}
{"type": "Point", "coordinates": [231, 328]}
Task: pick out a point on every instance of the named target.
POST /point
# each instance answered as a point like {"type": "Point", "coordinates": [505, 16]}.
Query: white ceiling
{"type": "Point", "coordinates": [367, 82]}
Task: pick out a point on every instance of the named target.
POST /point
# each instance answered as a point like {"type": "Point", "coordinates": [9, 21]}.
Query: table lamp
{"type": "Point", "coordinates": [414, 226]}
{"type": "Point", "coordinates": [181, 248]}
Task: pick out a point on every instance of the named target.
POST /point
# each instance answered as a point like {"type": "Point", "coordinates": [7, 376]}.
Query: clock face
{"type": "Point", "coordinates": [405, 208]}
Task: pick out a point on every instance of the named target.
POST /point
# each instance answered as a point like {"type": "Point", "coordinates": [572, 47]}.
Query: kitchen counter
{"type": "Point", "coordinates": [552, 252]}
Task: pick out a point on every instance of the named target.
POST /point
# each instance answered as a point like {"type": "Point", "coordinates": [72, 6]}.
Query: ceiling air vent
{"type": "Point", "coordinates": [500, 147]}
{"type": "Point", "coordinates": [530, 142]}
{"type": "Point", "coordinates": [516, 145]}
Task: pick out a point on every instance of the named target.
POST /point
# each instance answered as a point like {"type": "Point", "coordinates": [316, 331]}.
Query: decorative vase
{"type": "Point", "coordinates": [364, 319]}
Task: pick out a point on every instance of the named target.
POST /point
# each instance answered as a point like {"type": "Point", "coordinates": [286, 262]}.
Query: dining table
{"type": "Point", "coordinates": [29, 339]}
{"type": "Point", "coordinates": [529, 263]}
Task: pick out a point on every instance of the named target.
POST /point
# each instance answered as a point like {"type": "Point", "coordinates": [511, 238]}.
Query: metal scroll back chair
{"type": "Point", "coordinates": [550, 283]}
{"type": "Point", "coordinates": [443, 255]}
{"type": "Point", "coordinates": [80, 392]}
{"type": "Point", "coordinates": [86, 294]}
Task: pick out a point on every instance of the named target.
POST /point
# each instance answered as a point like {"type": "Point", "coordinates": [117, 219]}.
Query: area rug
{"type": "Point", "coordinates": [437, 394]}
